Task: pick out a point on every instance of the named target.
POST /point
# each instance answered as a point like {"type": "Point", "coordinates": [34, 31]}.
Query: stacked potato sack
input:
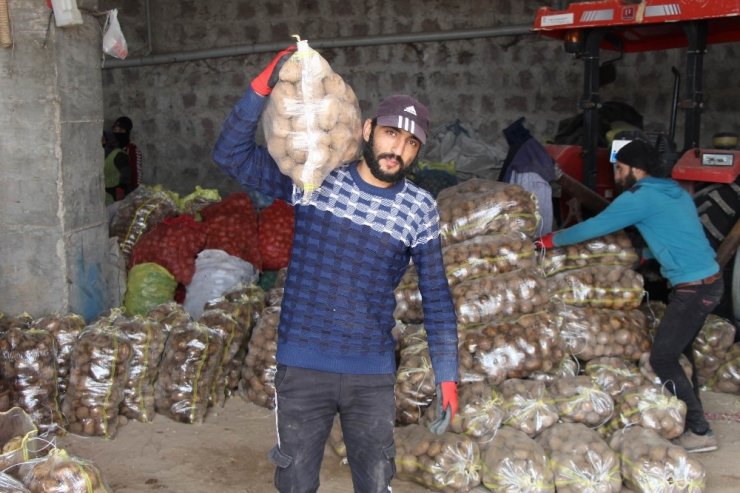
{"type": "Point", "coordinates": [500, 297]}
{"type": "Point", "coordinates": [98, 377]}
{"type": "Point", "coordinates": [596, 294]}
{"type": "Point", "coordinates": [28, 361]}
{"type": "Point", "coordinates": [506, 333]}
{"type": "Point", "coordinates": [244, 303]}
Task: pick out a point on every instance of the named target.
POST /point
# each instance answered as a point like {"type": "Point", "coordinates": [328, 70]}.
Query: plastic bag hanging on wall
{"type": "Point", "coordinates": [114, 44]}
{"type": "Point", "coordinates": [66, 13]}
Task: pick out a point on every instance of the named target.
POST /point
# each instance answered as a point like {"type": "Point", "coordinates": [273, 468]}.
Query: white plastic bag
{"type": "Point", "coordinates": [215, 273]}
{"type": "Point", "coordinates": [114, 44]}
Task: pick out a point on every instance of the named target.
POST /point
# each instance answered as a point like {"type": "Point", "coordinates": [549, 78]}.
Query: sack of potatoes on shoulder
{"type": "Point", "coordinates": [312, 120]}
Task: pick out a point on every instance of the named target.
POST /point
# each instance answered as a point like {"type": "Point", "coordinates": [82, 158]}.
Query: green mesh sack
{"type": "Point", "coordinates": [148, 286]}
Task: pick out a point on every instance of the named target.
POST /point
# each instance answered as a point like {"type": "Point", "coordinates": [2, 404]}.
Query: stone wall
{"type": "Point", "coordinates": [486, 83]}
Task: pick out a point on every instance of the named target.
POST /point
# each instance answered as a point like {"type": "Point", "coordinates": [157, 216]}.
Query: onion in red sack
{"type": "Point", "coordinates": [232, 227]}
{"type": "Point", "coordinates": [276, 225]}
{"type": "Point", "coordinates": [173, 244]}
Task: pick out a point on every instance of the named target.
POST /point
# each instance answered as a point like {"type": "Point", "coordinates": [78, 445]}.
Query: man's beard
{"type": "Point", "coordinates": [628, 182]}
{"type": "Point", "coordinates": [373, 162]}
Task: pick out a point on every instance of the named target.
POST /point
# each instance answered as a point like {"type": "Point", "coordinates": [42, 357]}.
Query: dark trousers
{"type": "Point", "coordinates": [307, 402]}
{"type": "Point", "coordinates": [688, 307]}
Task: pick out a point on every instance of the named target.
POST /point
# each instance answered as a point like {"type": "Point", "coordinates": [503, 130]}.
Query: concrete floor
{"type": "Point", "coordinates": [228, 453]}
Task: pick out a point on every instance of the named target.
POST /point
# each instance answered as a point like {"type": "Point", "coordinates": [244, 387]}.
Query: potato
{"type": "Point", "coordinates": [528, 405]}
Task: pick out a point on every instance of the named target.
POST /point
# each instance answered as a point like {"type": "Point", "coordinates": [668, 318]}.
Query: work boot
{"type": "Point", "coordinates": [692, 442]}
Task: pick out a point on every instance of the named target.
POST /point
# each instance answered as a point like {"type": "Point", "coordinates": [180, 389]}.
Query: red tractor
{"type": "Point", "coordinates": [627, 26]}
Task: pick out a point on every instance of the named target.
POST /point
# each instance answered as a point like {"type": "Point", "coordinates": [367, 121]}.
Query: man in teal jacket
{"type": "Point", "coordinates": [666, 217]}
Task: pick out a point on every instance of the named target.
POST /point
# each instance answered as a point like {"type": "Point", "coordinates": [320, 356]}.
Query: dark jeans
{"type": "Point", "coordinates": [307, 402]}
{"type": "Point", "coordinates": [684, 317]}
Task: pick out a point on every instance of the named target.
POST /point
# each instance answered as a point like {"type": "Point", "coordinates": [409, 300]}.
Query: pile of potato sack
{"type": "Point", "coordinates": [555, 390]}
{"type": "Point", "coordinates": [555, 393]}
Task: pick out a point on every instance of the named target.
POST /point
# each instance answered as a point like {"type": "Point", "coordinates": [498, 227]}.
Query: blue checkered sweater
{"type": "Point", "coordinates": [352, 244]}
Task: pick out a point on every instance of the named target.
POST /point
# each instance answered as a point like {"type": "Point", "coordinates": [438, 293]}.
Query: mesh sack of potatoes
{"type": "Point", "coordinates": [139, 212]}
{"type": "Point", "coordinates": [232, 336]}
{"type": "Point", "coordinates": [568, 366]}
{"type": "Point", "coordinates": [513, 462]}
{"type": "Point", "coordinates": [727, 377]}
{"type": "Point", "coordinates": [590, 332]}
{"type": "Point", "coordinates": [191, 355]}
{"type": "Point", "coordinates": [241, 310]}
{"type": "Point", "coordinates": [447, 462]}
{"type": "Point", "coordinates": [408, 335]}
{"type": "Point", "coordinates": [711, 346]}
{"type": "Point", "coordinates": [580, 400]}
{"type": "Point", "coordinates": [60, 472]}
{"type": "Point", "coordinates": [499, 297]}
{"type": "Point", "coordinates": [147, 344]}
{"type": "Point", "coordinates": [528, 405]}
{"type": "Point", "coordinates": [598, 286]}
{"type": "Point", "coordinates": [415, 384]}
{"type": "Point", "coordinates": [487, 255]}
{"type": "Point", "coordinates": [651, 464]}
{"type": "Point", "coordinates": [649, 406]}
{"type": "Point", "coordinates": [30, 367]}
{"type": "Point", "coordinates": [9, 484]}
{"type": "Point", "coordinates": [480, 413]}
{"type": "Point", "coordinates": [257, 383]}
{"type": "Point", "coordinates": [478, 206]}
{"type": "Point", "coordinates": [97, 380]}
{"type": "Point", "coordinates": [653, 311]}
{"type": "Point", "coordinates": [648, 374]}
{"type": "Point", "coordinates": [168, 315]}
{"type": "Point", "coordinates": [312, 120]}
{"type": "Point", "coordinates": [513, 349]}
{"type": "Point", "coordinates": [581, 460]}
{"type": "Point", "coordinates": [614, 249]}
{"type": "Point", "coordinates": [408, 298]}
{"type": "Point", "coordinates": [614, 375]}
{"type": "Point", "coordinates": [65, 329]}
{"type": "Point", "coordinates": [19, 440]}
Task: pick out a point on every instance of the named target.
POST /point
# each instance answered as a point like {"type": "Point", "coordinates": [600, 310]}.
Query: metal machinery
{"type": "Point", "coordinates": [627, 26]}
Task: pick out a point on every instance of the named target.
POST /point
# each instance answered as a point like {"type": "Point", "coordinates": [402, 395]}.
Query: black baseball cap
{"type": "Point", "coordinates": [404, 112]}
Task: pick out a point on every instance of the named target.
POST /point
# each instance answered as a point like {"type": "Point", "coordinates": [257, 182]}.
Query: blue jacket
{"type": "Point", "coordinates": [666, 217]}
{"type": "Point", "coordinates": [352, 243]}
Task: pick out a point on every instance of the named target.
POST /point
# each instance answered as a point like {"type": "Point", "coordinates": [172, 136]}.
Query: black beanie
{"type": "Point", "coordinates": [640, 154]}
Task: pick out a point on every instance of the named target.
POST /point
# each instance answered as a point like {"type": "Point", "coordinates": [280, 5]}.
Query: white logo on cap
{"type": "Point", "coordinates": [410, 109]}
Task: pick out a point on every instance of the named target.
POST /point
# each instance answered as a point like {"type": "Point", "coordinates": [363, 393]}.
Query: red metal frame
{"type": "Point", "coordinates": [635, 23]}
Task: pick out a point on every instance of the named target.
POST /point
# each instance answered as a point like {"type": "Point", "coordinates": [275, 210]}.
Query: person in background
{"type": "Point", "coordinates": [116, 169]}
{"type": "Point", "coordinates": [666, 217]}
{"type": "Point", "coordinates": [352, 243]}
{"type": "Point", "coordinates": [122, 129]}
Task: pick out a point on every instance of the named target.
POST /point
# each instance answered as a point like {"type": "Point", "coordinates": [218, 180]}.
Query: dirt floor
{"type": "Point", "coordinates": [228, 453]}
